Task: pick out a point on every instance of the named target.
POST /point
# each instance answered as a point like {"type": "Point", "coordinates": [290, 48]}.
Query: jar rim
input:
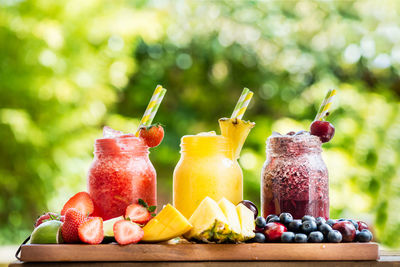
{"type": "Point", "coordinates": [212, 142]}
{"type": "Point", "coordinates": [286, 143]}
{"type": "Point", "coordinates": [123, 144]}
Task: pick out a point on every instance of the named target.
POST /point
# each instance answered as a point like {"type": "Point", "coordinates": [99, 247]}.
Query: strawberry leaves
{"type": "Point", "coordinates": [151, 209]}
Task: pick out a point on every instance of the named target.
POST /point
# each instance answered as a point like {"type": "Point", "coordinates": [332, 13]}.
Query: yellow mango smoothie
{"type": "Point", "coordinates": [208, 166]}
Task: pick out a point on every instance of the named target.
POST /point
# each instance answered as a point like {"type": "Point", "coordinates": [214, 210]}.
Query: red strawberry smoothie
{"type": "Point", "coordinates": [120, 174]}
{"type": "Point", "coordinates": [294, 177]}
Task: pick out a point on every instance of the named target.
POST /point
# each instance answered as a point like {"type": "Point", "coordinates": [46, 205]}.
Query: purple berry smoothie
{"type": "Point", "coordinates": [294, 178]}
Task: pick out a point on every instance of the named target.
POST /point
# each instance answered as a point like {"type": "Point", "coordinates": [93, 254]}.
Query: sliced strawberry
{"type": "Point", "coordinates": [152, 135]}
{"type": "Point", "coordinates": [137, 213]}
{"type": "Point", "coordinates": [80, 201]}
{"type": "Point", "coordinates": [48, 216]}
{"type": "Point", "coordinates": [127, 232]}
{"type": "Point", "coordinates": [69, 229]}
{"type": "Point", "coordinates": [91, 231]}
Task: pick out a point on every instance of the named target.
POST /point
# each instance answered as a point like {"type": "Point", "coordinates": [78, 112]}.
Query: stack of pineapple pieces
{"type": "Point", "coordinates": [221, 222]}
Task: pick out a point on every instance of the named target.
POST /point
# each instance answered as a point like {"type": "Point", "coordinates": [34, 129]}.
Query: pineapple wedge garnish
{"type": "Point", "coordinates": [167, 224]}
{"type": "Point", "coordinates": [229, 210]}
{"type": "Point", "coordinates": [236, 130]}
{"type": "Point", "coordinates": [209, 223]}
{"type": "Point", "coordinates": [246, 218]}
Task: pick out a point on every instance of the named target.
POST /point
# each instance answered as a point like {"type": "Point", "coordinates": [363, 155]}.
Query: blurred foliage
{"type": "Point", "coordinates": [69, 68]}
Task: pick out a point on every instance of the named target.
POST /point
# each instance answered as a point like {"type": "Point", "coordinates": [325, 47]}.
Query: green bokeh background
{"type": "Point", "coordinates": [67, 68]}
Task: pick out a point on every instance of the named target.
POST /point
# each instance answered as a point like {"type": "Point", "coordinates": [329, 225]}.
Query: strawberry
{"type": "Point", "coordinates": [152, 135]}
{"type": "Point", "coordinates": [91, 231]}
{"type": "Point", "coordinates": [80, 201]}
{"type": "Point", "coordinates": [69, 229]}
{"type": "Point", "coordinates": [137, 213]}
{"type": "Point", "coordinates": [127, 232]}
{"type": "Point", "coordinates": [48, 216]}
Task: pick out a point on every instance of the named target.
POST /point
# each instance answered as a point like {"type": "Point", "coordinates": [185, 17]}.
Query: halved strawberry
{"type": "Point", "coordinates": [152, 135]}
{"type": "Point", "coordinates": [69, 229]}
{"type": "Point", "coordinates": [91, 231]}
{"type": "Point", "coordinates": [48, 216]}
{"type": "Point", "coordinates": [127, 232]}
{"type": "Point", "coordinates": [80, 201]}
{"type": "Point", "coordinates": [137, 213]}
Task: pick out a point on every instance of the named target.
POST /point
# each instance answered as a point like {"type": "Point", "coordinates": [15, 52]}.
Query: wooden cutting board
{"type": "Point", "coordinates": [200, 252]}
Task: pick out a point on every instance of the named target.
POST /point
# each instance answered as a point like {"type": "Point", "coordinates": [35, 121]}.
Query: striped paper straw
{"type": "Point", "coordinates": [150, 106]}
{"type": "Point", "coordinates": [239, 103]}
{"type": "Point", "coordinates": [326, 104]}
{"type": "Point", "coordinates": [155, 108]}
{"type": "Point", "coordinates": [246, 102]}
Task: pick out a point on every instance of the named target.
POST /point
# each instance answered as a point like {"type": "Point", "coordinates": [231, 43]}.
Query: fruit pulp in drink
{"type": "Point", "coordinates": [294, 177]}
{"type": "Point", "coordinates": [120, 174]}
{"type": "Point", "coordinates": [206, 169]}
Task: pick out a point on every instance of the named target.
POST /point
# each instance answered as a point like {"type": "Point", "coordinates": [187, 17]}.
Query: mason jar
{"type": "Point", "coordinates": [294, 177]}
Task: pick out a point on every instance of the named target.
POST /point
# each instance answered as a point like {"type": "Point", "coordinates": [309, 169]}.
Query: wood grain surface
{"type": "Point", "coordinates": [200, 252]}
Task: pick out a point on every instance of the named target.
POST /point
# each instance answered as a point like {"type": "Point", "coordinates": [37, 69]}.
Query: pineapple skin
{"type": "Point", "coordinates": [229, 210]}
{"type": "Point", "coordinates": [236, 130]}
{"type": "Point", "coordinates": [209, 223]}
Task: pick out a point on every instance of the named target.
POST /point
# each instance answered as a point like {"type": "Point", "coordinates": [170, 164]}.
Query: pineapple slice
{"type": "Point", "coordinates": [168, 224]}
{"type": "Point", "coordinates": [229, 210]}
{"type": "Point", "coordinates": [246, 217]}
{"type": "Point", "coordinates": [236, 130]}
{"type": "Point", "coordinates": [209, 223]}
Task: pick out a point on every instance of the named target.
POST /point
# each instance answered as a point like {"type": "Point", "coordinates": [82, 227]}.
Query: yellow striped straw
{"type": "Point", "coordinates": [325, 105]}
{"type": "Point", "coordinates": [246, 103]}
{"type": "Point", "coordinates": [240, 102]}
{"type": "Point", "coordinates": [153, 102]}
{"type": "Point", "coordinates": [155, 108]}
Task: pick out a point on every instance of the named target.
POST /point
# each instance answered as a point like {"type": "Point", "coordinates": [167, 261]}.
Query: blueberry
{"type": "Point", "coordinates": [270, 216]}
{"type": "Point", "coordinates": [295, 226]}
{"type": "Point", "coordinates": [300, 238]}
{"type": "Point", "coordinates": [320, 220]}
{"type": "Point", "coordinates": [334, 236]}
{"type": "Point", "coordinates": [259, 238]}
{"type": "Point", "coordinates": [364, 236]}
{"type": "Point", "coordinates": [324, 228]}
{"type": "Point", "coordinates": [315, 237]}
{"type": "Point", "coordinates": [287, 237]}
{"type": "Point", "coordinates": [354, 223]}
{"type": "Point", "coordinates": [308, 227]}
{"type": "Point", "coordinates": [274, 219]}
{"type": "Point", "coordinates": [342, 219]}
{"type": "Point", "coordinates": [308, 218]}
{"type": "Point", "coordinates": [331, 222]}
{"type": "Point", "coordinates": [260, 222]}
{"type": "Point", "coordinates": [286, 218]}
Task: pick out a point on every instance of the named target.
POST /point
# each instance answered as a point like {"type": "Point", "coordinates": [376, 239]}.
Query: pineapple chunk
{"type": "Point", "coordinates": [209, 223]}
{"type": "Point", "coordinates": [109, 224]}
{"type": "Point", "coordinates": [168, 224]}
{"type": "Point", "coordinates": [229, 210]}
{"type": "Point", "coordinates": [236, 130]}
{"type": "Point", "coordinates": [246, 218]}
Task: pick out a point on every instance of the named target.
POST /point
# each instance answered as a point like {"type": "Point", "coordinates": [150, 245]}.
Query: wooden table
{"type": "Point", "coordinates": [387, 258]}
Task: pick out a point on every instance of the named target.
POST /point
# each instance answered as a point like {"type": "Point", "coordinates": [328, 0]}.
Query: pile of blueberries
{"type": "Point", "coordinates": [284, 228]}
